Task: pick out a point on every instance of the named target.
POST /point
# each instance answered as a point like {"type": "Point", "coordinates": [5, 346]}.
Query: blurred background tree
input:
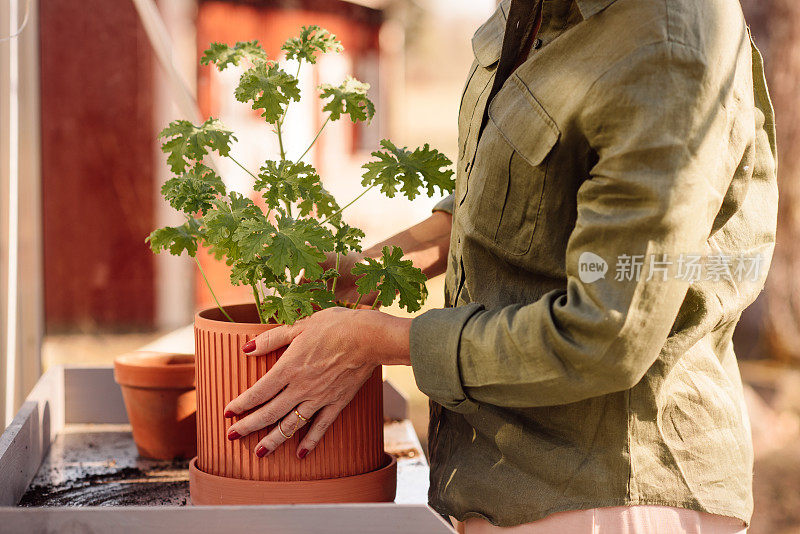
{"type": "Point", "coordinates": [767, 339]}
{"type": "Point", "coordinates": [771, 327]}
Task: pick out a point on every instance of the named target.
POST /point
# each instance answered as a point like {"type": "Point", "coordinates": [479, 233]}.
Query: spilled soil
{"type": "Point", "coordinates": [131, 486]}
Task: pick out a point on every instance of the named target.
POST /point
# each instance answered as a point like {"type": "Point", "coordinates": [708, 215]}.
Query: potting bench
{"type": "Point", "coordinates": [68, 464]}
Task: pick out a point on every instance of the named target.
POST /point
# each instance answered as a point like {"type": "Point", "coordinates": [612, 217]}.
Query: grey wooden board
{"type": "Point", "coordinates": [395, 403]}
{"type": "Point", "coordinates": [413, 473]}
{"type": "Point", "coordinates": [92, 396]}
{"type": "Point", "coordinates": [20, 453]}
{"type": "Point", "coordinates": [26, 440]}
{"type": "Point", "coordinates": [328, 519]}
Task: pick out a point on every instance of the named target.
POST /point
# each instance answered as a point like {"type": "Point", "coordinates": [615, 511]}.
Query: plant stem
{"type": "Point", "coordinates": [315, 138]}
{"type": "Point", "coordinates": [242, 166]}
{"type": "Point", "coordinates": [258, 303]}
{"type": "Point", "coordinates": [280, 141]}
{"type": "Point", "coordinates": [202, 272]}
{"type": "Point", "coordinates": [337, 212]}
{"type": "Point", "coordinates": [283, 152]}
{"type": "Point", "coordinates": [374, 304]}
{"type": "Point", "coordinates": [358, 301]}
{"type": "Point", "coordinates": [335, 278]}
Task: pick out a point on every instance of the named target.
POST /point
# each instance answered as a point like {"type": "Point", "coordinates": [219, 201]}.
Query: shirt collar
{"type": "Point", "coordinates": [590, 8]}
{"type": "Point", "coordinates": [488, 40]}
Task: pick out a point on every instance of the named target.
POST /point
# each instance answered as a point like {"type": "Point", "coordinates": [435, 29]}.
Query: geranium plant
{"type": "Point", "coordinates": [279, 251]}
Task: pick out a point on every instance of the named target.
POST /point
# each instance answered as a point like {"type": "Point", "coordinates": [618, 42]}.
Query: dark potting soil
{"type": "Point", "coordinates": [98, 465]}
{"type": "Point", "coordinates": [127, 486]}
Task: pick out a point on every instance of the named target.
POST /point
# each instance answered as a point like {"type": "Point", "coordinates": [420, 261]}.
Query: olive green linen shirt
{"type": "Point", "coordinates": [638, 132]}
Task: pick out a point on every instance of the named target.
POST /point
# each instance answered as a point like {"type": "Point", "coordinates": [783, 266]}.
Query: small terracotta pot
{"type": "Point", "coordinates": [159, 393]}
{"type": "Point", "coordinates": [225, 470]}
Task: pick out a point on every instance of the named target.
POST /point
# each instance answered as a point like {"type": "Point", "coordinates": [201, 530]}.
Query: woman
{"type": "Point", "coordinates": [614, 213]}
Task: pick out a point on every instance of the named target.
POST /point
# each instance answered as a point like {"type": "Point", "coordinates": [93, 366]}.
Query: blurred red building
{"type": "Point", "coordinates": [101, 108]}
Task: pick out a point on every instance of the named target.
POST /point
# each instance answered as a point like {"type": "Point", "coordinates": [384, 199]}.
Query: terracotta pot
{"type": "Point", "coordinates": [351, 448]}
{"type": "Point", "coordinates": [158, 389]}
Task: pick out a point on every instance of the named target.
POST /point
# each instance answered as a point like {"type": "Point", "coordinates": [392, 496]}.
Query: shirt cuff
{"type": "Point", "coordinates": [446, 204]}
{"type": "Point", "coordinates": [435, 339]}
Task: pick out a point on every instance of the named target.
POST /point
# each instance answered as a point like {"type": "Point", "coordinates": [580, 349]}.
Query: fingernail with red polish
{"type": "Point", "coordinates": [250, 346]}
{"type": "Point", "coordinates": [261, 451]}
{"type": "Point", "coordinates": [228, 413]}
{"type": "Point", "coordinates": [302, 453]}
{"type": "Point", "coordinates": [232, 435]}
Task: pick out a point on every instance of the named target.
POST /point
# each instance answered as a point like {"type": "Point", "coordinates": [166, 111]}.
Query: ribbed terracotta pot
{"type": "Point", "coordinates": [158, 390]}
{"type": "Point", "coordinates": [348, 465]}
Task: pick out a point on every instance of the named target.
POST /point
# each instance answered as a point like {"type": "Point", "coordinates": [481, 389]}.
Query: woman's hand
{"type": "Point", "coordinates": [329, 357]}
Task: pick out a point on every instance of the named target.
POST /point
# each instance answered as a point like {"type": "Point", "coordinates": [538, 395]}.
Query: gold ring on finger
{"type": "Point", "coordinates": [283, 433]}
{"type": "Point", "coordinates": [301, 417]}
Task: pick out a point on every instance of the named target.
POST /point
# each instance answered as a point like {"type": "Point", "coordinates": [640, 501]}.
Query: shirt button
{"type": "Point", "coordinates": [537, 44]}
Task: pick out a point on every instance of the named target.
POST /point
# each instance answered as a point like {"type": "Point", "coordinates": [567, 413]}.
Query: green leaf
{"type": "Point", "coordinates": [312, 39]}
{"type": "Point", "coordinates": [222, 221]}
{"type": "Point", "coordinates": [193, 191]}
{"type": "Point", "coordinates": [185, 141]}
{"type": "Point", "coordinates": [390, 276]}
{"type": "Point", "coordinates": [269, 88]}
{"type": "Point", "coordinates": [409, 172]}
{"type": "Point", "coordinates": [223, 55]}
{"type": "Point", "coordinates": [253, 236]}
{"type": "Point", "coordinates": [176, 239]}
{"type": "Point", "coordinates": [295, 301]}
{"type": "Point", "coordinates": [349, 98]}
{"type": "Point", "coordinates": [298, 245]}
{"type": "Point", "coordinates": [325, 205]}
{"type": "Point", "coordinates": [287, 181]}
{"type": "Point", "coordinates": [250, 272]}
{"type": "Point", "coordinates": [330, 273]}
{"type": "Point", "coordinates": [348, 239]}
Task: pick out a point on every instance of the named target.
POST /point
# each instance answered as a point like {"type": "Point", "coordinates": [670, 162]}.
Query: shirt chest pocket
{"type": "Point", "coordinates": [504, 191]}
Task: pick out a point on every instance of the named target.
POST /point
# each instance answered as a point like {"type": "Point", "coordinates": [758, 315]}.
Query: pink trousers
{"type": "Point", "coordinates": [644, 519]}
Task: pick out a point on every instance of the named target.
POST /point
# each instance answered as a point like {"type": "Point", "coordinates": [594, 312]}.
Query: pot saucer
{"type": "Point", "coordinates": [375, 486]}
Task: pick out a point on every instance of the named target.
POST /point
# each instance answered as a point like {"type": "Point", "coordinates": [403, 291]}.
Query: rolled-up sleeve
{"type": "Point", "coordinates": [657, 123]}
{"type": "Point", "coordinates": [445, 205]}
{"type": "Point", "coordinates": [435, 344]}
